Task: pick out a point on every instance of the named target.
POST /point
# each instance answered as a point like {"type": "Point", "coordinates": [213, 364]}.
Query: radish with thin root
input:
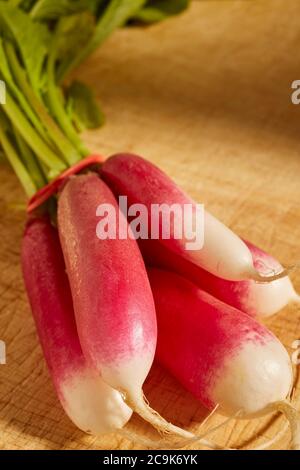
{"type": "Point", "coordinates": [112, 298]}
{"type": "Point", "coordinates": [90, 403]}
{"type": "Point", "coordinates": [220, 354]}
{"type": "Point", "coordinates": [224, 254]}
{"type": "Point", "coordinates": [253, 298]}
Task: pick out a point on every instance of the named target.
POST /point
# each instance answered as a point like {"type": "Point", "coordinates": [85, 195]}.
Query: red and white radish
{"type": "Point", "coordinates": [253, 298]}
{"type": "Point", "coordinates": [224, 254]}
{"type": "Point", "coordinates": [112, 298]}
{"type": "Point", "coordinates": [89, 402]}
{"type": "Point", "coordinates": [220, 354]}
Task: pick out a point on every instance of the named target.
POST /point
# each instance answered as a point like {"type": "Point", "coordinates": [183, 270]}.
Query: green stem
{"type": "Point", "coordinates": [43, 152]}
{"type": "Point", "coordinates": [17, 165]}
{"type": "Point", "coordinates": [69, 153]}
{"type": "Point", "coordinates": [8, 79]}
{"type": "Point", "coordinates": [30, 161]}
{"type": "Point", "coordinates": [35, 8]}
{"type": "Point", "coordinates": [15, 3]}
{"type": "Point", "coordinates": [115, 15]}
{"type": "Point", "coordinates": [57, 108]}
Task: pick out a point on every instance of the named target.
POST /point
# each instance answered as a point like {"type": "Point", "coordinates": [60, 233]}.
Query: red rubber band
{"type": "Point", "coordinates": [43, 194]}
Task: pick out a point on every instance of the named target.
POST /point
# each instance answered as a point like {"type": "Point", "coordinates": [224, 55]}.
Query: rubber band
{"type": "Point", "coordinates": [43, 194]}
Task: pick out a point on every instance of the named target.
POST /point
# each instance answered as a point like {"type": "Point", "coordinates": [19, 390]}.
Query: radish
{"type": "Point", "coordinates": [220, 354]}
{"type": "Point", "coordinates": [224, 254]}
{"type": "Point", "coordinates": [89, 402]}
{"type": "Point", "coordinates": [112, 298]}
{"type": "Point", "coordinates": [253, 298]}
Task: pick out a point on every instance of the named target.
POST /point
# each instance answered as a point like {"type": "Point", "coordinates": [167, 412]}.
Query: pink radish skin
{"type": "Point", "coordinates": [89, 402]}
{"type": "Point", "coordinates": [253, 298]}
{"type": "Point", "coordinates": [220, 354]}
{"type": "Point", "coordinates": [112, 298]}
{"type": "Point", "coordinates": [224, 254]}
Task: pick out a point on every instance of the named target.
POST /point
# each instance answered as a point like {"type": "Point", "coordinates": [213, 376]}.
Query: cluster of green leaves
{"type": "Point", "coordinates": [41, 41]}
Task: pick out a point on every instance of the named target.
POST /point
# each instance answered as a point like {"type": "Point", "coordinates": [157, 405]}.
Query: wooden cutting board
{"type": "Point", "coordinates": [206, 96]}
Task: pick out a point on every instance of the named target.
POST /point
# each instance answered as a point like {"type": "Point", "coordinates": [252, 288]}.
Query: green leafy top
{"type": "Point", "coordinates": [30, 38]}
{"type": "Point", "coordinates": [40, 43]}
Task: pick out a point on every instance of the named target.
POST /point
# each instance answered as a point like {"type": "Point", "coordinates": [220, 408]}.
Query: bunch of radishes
{"type": "Point", "coordinates": [105, 308]}
{"type": "Point", "coordinates": [96, 306]}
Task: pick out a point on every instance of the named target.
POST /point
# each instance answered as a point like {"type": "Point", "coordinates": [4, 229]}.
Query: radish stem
{"type": "Point", "coordinates": [32, 138]}
{"type": "Point", "coordinates": [7, 77]}
{"type": "Point", "coordinates": [34, 169]}
{"type": "Point", "coordinates": [17, 165]}
{"type": "Point", "coordinates": [54, 133]}
{"type": "Point", "coordinates": [57, 107]}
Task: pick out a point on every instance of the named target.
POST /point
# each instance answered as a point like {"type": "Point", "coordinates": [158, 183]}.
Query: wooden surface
{"type": "Point", "coordinates": [207, 97]}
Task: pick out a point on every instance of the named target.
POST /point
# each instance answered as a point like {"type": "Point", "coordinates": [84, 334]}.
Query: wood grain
{"type": "Point", "coordinates": [206, 96]}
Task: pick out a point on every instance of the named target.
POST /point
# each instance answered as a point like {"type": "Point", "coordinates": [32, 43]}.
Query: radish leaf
{"type": "Point", "coordinates": [55, 9]}
{"type": "Point", "coordinates": [71, 32]}
{"type": "Point", "coordinates": [115, 15]}
{"type": "Point", "coordinates": [83, 107]}
{"type": "Point", "coordinates": [159, 10]}
{"type": "Point", "coordinates": [30, 38]}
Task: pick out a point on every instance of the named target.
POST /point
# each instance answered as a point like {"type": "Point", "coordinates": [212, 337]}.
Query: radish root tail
{"type": "Point", "coordinates": [142, 408]}
{"type": "Point", "coordinates": [202, 438]}
{"type": "Point", "coordinates": [207, 418]}
{"type": "Point", "coordinates": [261, 278]}
{"type": "Point", "coordinates": [166, 429]}
{"type": "Point", "coordinates": [293, 417]}
{"type": "Point", "coordinates": [270, 442]}
{"type": "Point", "coordinates": [166, 443]}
